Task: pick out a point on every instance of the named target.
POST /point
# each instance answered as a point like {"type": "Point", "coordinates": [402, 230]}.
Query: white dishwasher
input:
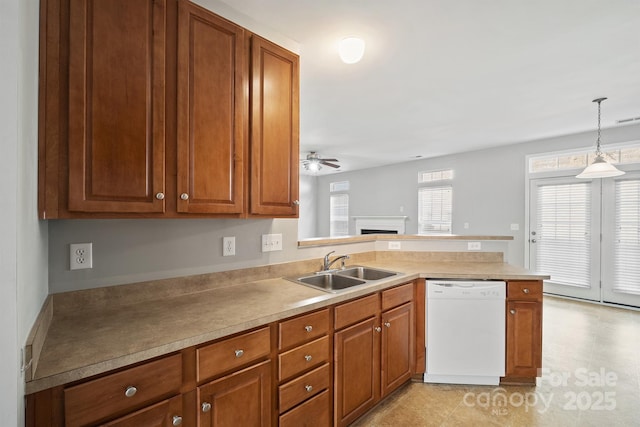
{"type": "Point", "coordinates": [465, 327]}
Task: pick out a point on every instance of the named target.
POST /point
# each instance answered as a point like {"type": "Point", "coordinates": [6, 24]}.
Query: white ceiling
{"type": "Point", "coordinates": [446, 76]}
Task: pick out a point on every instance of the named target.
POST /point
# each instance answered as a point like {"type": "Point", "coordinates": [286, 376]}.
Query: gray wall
{"type": "Point", "coordinates": [23, 260]}
{"type": "Point", "coordinates": [308, 207]}
{"type": "Point", "coordinates": [488, 186]}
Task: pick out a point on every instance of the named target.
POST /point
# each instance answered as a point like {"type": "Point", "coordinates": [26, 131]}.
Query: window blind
{"type": "Point", "coordinates": [563, 248]}
{"type": "Point", "coordinates": [626, 276]}
{"type": "Point", "coordinates": [339, 215]}
{"type": "Point", "coordinates": [435, 210]}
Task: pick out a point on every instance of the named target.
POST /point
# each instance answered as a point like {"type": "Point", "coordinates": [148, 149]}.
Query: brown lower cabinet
{"type": "Point", "coordinates": [524, 331]}
{"type": "Point", "coordinates": [322, 368]}
{"type": "Point", "coordinates": [374, 356]}
{"type": "Point", "coordinates": [240, 399]}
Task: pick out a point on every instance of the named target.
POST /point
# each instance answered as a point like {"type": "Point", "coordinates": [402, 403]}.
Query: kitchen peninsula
{"type": "Point", "coordinates": [118, 334]}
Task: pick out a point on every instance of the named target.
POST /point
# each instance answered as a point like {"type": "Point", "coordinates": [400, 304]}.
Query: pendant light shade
{"type": "Point", "coordinates": [600, 168]}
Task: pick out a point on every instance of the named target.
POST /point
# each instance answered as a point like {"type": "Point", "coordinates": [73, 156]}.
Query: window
{"type": "Point", "coordinates": [434, 176]}
{"type": "Point", "coordinates": [580, 159]}
{"type": "Point", "coordinates": [434, 210]}
{"type": "Point", "coordinates": [339, 209]}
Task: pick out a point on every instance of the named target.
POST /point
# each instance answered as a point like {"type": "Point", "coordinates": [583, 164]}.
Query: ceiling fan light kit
{"type": "Point", "coordinates": [314, 162]}
{"type": "Point", "coordinates": [600, 168]}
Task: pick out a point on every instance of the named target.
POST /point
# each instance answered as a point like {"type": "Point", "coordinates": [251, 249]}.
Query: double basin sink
{"type": "Point", "coordinates": [341, 280]}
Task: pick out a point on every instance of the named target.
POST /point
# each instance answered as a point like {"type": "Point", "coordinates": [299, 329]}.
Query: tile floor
{"type": "Point", "coordinates": [591, 377]}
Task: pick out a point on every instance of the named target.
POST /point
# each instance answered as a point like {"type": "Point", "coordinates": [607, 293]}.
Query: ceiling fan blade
{"type": "Point", "coordinates": [329, 160]}
{"type": "Point", "coordinates": [324, 162]}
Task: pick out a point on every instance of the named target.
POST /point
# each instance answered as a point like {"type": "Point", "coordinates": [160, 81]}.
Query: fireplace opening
{"type": "Point", "coordinates": [377, 231]}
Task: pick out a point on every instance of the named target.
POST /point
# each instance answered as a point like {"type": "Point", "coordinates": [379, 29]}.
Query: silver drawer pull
{"type": "Point", "coordinates": [176, 420]}
{"type": "Point", "coordinates": [206, 406]}
{"type": "Point", "coordinates": [160, 196]}
{"type": "Point", "coordinates": [184, 196]}
{"type": "Point", "coordinates": [512, 311]}
{"type": "Point", "coordinates": [525, 290]}
{"type": "Point", "coordinates": [308, 358]}
{"type": "Point", "coordinates": [130, 391]}
{"type": "Point", "coordinates": [387, 324]}
{"type": "Point", "coordinates": [308, 388]}
{"type": "Point", "coordinates": [377, 329]}
{"type": "Point", "coordinates": [308, 328]}
{"type": "Point", "coordinates": [239, 353]}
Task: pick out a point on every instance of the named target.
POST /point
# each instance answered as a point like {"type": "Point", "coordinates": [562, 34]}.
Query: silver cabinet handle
{"type": "Point", "coordinates": [533, 240]}
{"type": "Point", "coordinates": [308, 388]}
{"type": "Point", "coordinates": [308, 358]}
{"type": "Point", "coordinates": [206, 406]}
{"type": "Point", "coordinates": [308, 328]}
{"type": "Point", "coordinates": [184, 196]}
{"type": "Point", "coordinates": [239, 353]}
{"type": "Point", "coordinates": [387, 324]}
{"type": "Point", "coordinates": [159, 196]}
{"type": "Point", "coordinates": [130, 391]}
{"type": "Point", "coordinates": [377, 329]}
{"type": "Point", "coordinates": [512, 311]}
{"type": "Point", "coordinates": [525, 290]}
{"type": "Point", "coordinates": [296, 202]}
{"type": "Point", "coordinates": [176, 420]}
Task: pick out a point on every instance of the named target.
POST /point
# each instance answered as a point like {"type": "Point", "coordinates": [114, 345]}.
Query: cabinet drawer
{"type": "Point", "coordinates": [302, 388]}
{"type": "Point", "coordinates": [302, 329]}
{"type": "Point", "coordinates": [397, 296]}
{"type": "Point", "coordinates": [355, 311]}
{"type": "Point", "coordinates": [231, 353]}
{"type": "Point", "coordinates": [303, 358]}
{"type": "Point", "coordinates": [315, 412]}
{"type": "Point", "coordinates": [123, 391]}
{"type": "Point", "coordinates": [524, 290]}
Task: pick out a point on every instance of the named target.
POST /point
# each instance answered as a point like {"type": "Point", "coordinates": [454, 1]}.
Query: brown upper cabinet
{"type": "Point", "coordinates": [158, 108]}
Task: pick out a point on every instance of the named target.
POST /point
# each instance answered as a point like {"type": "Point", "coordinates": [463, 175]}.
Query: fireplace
{"type": "Point", "coordinates": [380, 224]}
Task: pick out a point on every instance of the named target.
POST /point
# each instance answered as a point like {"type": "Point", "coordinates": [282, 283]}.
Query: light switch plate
{"type": "Point", "coordinates": [271, 242]}
{"type": "Point", "coordinates": [395, 245]}
{"type": "Point", "coordinates": [474, 246]}
{"type": "Point", "coordinates": [515, 227]}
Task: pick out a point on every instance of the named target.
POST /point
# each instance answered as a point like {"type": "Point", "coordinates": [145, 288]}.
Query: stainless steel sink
{"type": "Point", "coordinates": [366, 273]}
{"type": "Point", "coordinates": [341, 280]}
{"type": "Point", "coordinates": [329, 282]}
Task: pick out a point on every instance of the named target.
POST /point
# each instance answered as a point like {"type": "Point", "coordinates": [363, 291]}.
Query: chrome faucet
{"type": "Point", "coordinates": [326, 265]}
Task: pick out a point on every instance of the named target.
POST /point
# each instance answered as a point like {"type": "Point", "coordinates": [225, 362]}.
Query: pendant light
{"type": "Point", "coordinates": [600, 168]}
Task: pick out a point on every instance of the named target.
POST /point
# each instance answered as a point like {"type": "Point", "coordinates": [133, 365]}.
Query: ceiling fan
{"type": "Point", "coordinates": [314, 162]}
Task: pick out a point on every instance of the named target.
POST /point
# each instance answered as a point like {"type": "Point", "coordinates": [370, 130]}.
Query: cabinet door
{"type": "Point", "coordinates": [212, 112]}
{"type": "Point", "coordinates": [274, 129]}
{"type": "Point", "coordinates": [116, 105]}
{"type": "Point", "coordinates": [397, 347]}
{"type": "Point", "coordinates": [239, 399]}
{"type": "Point", "coordinates": [164, 414]}
{"type": "Point", "coordinates": [357, 370]}
{"type": "Point", "coordinates": [524, 338]}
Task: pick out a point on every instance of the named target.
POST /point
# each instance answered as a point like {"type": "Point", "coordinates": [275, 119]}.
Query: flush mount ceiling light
{"type": "Point", "coordinates": [351, 50]}
{"type": "Point", "coordinates": [600, 168]}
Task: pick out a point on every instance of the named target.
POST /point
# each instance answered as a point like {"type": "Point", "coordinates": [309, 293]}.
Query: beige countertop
{"type": "Point", "coordinates": [324, 241]}
{"type": "Point", "coordinates": [80, 343]}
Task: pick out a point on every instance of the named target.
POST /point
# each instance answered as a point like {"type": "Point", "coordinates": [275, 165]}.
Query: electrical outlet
{"type": "Point", "coordinates": [394, 245]}
{"type": "Point", "coordinates": [228, 246]}
{"type": "Point", "coordinates": [271, 242]}
{"type": "Point", "coordinates": [466, 225]}
{"type": "Point", "coordinates": [474, 246]}
{"type": "Point", "coordinates": [80, 256]}
{"type": "Point", "coordinates": [515, 227]}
